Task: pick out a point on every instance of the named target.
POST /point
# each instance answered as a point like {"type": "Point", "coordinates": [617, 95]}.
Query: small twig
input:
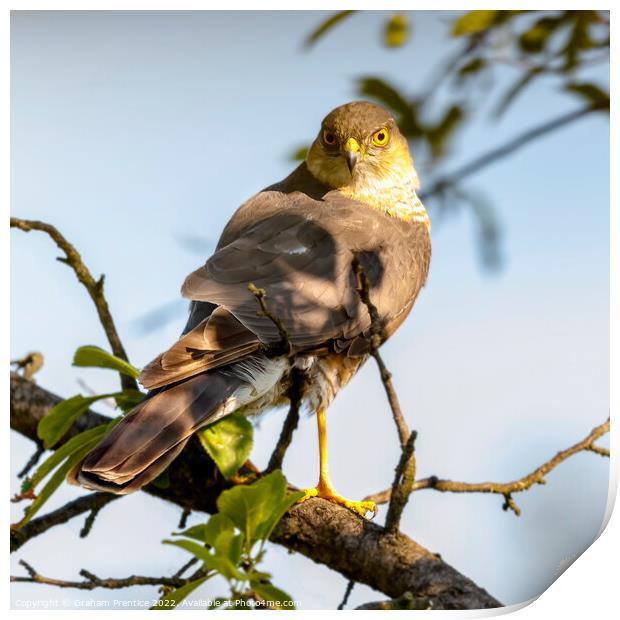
{"type": "Point", "coordinates": [90, 520]}
{"type": "Point", "coordinates": [294, 395]}
{"type": "Point", "coordinates": [91, 581]}
{"type": "Point", "coordinates": [376, 336]}
{"type": "Point", "coordinates": [183, 520]}
{"type": "Point", "coordinates": [32, 461]}
{"type": "Point", "coordinates": [402, 485]}
{"type": "Point", "coordinates": [506, 489]}
{"type": "Point", "coordinates": [284, 346]}
{"type": "Point", "coordinates": [347, 594]}
{"type": "Point", "coordinates": [57, 517]}
{"type": "Point", "coordinates": [94, 287]}
{"type": "Point", "coordinates": [185, 566]}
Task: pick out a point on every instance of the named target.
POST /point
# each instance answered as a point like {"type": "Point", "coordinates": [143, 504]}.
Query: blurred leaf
{"type": "Point", "coordinates": [439, 135]}
{"type": "Point", "coordinates": [579, 39]}
{"type": "Point", "coordinates": [176, 596]}
{"type": "Point", "coordinates": [396, 31]}
{"type": "Point", "coordinates": [511, 94]}
{"type": "Point", "coordinates": [535, 38]}
{"type": "Point", "coordinates": [53, 426]}
{"type": "Point", "coordinates": [128, 399]}
{"type": "Point", "coordinates": [92, 356]}
{"type": "Point", "coordinates": [269, 592]}
{"type": "Point", "coordinates": [472, 67]}
{"type": "Point", "coordinates": [384, 93]}
{"type": "Point", "coordinates": [473, 22]}
{"type": "Point", "coordinates": [228, 442]}
{"type": "Point", "coordinates": [197, 532]}
{"type": "Point", "coordinates": [229, 545]}
{"type": "Point", "coordinates": [256, 509]}
{"type": "Point", "coordinates": [326, 26]}
{"type": "Point", "coordinates": [590, 92]}
{"type": "Point", "coordinates": [300, 153]}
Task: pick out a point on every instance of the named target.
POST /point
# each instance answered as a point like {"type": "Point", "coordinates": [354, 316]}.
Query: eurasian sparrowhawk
{"type": "Point", "coordinates": [354, 197]}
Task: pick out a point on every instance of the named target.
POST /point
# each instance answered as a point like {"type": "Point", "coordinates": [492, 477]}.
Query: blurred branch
{"type": "Point", "coordinates": [91, 581]}
{"type": "Point", "coordinates": [507, 488]}
{"type": "Point", "coordinates": [326, 26]}
{"type": "Point", "coordinates": [94, 287]}
{"type": "Point", "coordinates": [324, 532]}
{"type": "Point", "coordinates": [510, 147]}
{"type": "Point", "coordinates": [86, 503]}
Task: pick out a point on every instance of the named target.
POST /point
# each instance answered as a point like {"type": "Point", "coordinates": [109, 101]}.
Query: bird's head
{"type": "Point", "coordinates": [359, 148]}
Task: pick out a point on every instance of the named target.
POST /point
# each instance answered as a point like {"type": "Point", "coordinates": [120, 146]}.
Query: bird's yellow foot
{"type": "Point", "coordinates": [325, 491]}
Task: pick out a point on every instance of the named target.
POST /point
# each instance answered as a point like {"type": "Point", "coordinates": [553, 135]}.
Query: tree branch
{"type": "Point", "coordinates": [90, 502]}
{"type": "Point", "coordinates": [490, 157]}
{"type": "Point", "coordinates": [508, 488]}
{"type": "Point", "coordinates": [332, 535]}
{"type": "Point", "coordinates": [94, 287]}
{"type": "Point", "coordinates": [91, 581]}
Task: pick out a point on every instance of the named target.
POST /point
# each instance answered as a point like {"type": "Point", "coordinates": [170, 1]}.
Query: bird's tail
{"type": "Point", "coordinates": [152, 434]}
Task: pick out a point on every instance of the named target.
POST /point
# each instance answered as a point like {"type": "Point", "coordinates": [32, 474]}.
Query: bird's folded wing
{"type": "Point", "coordinates": [301, 254]}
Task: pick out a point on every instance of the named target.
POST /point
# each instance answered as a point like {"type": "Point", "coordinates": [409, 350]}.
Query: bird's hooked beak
{"type": "Point", "coordinates": [352, 153]}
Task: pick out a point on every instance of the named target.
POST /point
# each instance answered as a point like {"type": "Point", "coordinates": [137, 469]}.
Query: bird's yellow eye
{"type": "Point", "coordinates": [329, 138]}
{"type": "Point", "coordinates": [380, 137]}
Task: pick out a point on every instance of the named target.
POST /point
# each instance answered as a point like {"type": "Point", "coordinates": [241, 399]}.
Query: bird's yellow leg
{"type": "Point", "coordinates": [324, 488]}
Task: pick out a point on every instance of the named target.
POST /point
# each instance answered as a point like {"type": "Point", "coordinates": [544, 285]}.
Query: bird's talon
{"type": "Point", "coordinates": [327, 493]}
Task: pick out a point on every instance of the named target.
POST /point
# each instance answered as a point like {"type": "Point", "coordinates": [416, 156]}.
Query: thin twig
{"type": "Point", "coordinates": [284, 346]}
{"type": "Point", "coordinates": [376, 337]}
{"type": "Point", "coordinates": [94, 287]}
{"type": "Point", "coordinates": [444, 182]}
{"type": "Point", "coordinates": [184, 516]}
{"type": "Point", "coordinates": [402, 485]}
{"type": "Point", "coordinates": [294, 395]}
{"type": "Point", "coordinates": [91, 581]}
{"type": "Point", "coordinates": [57, 517]}
{"type": "Point", "coordinates": [347, 594]}
{"type": "Point", "coordinates": [32, 461]}
{"type": "Point", "coordinates": [506, 489]}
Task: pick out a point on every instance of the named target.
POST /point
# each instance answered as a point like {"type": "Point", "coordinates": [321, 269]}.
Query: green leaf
{"type": "Point", "coordinates": [255, 509]}
{"type": "Point", "coordinates": [535, 38]}
{"type": "Point", "coordinates": [68, 448]}
{"type": "Point", "coordinates": [228, 442]}
{"type": "Point", "coordinates": [55, 481]}
{"type": "Point", "coordinates": [216, 524]}
{"type": "Point", "coordinates": [473, 66]}
{"type": "Point", "coordinates": [396, 31]}
{"type": "Point", "coordinates": [388, 95]}
{"type": "Point", "coordinates": [217, 563]}
{"type": "Point", "coordinates": [92, 356]}
{"type": "Point", "coordinates": [438, 136]}
{"type": "Point", "coordinates": [326, 26]}
{"type": "Point", "coordinates": [171, 600]}
{"type": "Point", "coordinates": [59, 419]}
{"type": "Point", "coordinates": [270, 593]}
{"type": "Point", "coordinates": [473, 22]}
{"type": "Point", "coordinates": [590, 92]}
{"type": "Point", "coordinates": [128, 399]}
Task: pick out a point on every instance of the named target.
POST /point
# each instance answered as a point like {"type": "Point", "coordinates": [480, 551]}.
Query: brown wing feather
{"type": "Point", "coordinates": [300, 251]}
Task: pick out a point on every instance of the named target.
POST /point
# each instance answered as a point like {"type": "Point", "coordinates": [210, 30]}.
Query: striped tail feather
{"type": "Point", "coordinates": [152, 434]}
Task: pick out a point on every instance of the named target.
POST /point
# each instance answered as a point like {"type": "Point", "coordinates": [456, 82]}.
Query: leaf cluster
{"type": "Point", "coordinates": [232, 544]}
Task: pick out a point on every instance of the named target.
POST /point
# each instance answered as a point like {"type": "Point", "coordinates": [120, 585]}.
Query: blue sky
{"type": "Point", "coordinates": [134, 132]}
